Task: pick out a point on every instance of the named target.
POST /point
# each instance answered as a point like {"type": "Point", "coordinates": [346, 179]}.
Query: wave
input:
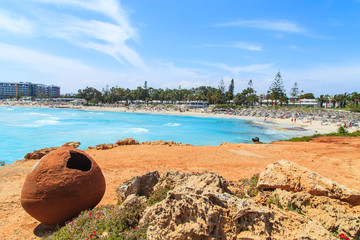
{"type": "Point", "coordinates": [37, 114]}
{"type": "Point", "coordinates": [9, 109]}
{"type": "Point", "coordinates": [137, 130]}
{"type": "Point", "coordinates": [42, 123]}
{"type": "Point", "coordinates": [172, 124]}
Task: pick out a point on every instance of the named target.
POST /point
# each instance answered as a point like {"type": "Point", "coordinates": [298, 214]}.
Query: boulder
{"type": "Point", "coordinates": [167, 143]}
{"type": "Point", "coordinates": [200, 207]}
{"type": "Point", "coordinates": [292, 177]}
{"type": "Point", "coordinates": [104, 146]}
{"type": "Point", "coordinates": [127, 141]}
{"type": "Point", "coordinates": [333, 214]}
{"type": "Point", "coordinates": [72, 144]}
{"type": "Point", "coordinates": [61, 185]}
{"type": "Point", "coordinates": [133, 200]}
{"type": "Point", "coordinates": [38, 154]}
{"type": "Point", "coordinates": [139, 185]}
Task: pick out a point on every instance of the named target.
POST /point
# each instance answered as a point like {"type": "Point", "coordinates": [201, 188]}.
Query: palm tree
{"type": "Point", "coordinates": [354, 98]}
{"type": "Point", "coordinates": [322, 99]}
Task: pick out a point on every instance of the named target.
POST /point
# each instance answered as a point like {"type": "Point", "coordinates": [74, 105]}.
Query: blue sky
{"type": "Point", "coordinates": [187, 43]}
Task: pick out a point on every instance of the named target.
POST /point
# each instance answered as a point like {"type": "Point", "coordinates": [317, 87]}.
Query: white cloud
{"type": "Point", "coordinates": [327, 79]}
{"type": "Point", "coordinates": [248, 46]}
{"type": "Point", "coordinates": [258, 68]}
{"type": "Point", "coordinates": [109, 37]}
{"type": "Point", "coordinates": [71, 75]}
{"type": "Point", "coordinates": [279, 25]}
{"type": "Point", "coordinates": [239, 45]}
{"type": "Point", "coordinates": [68, 73]}
{"type": "Point", "coordinates": [15, 24]}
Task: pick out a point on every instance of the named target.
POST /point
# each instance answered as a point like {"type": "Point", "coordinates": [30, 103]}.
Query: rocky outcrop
{"type": "Point", "coordinates": [139, 185]}
{"type": "Point", "coordinates": [292, 177]}
{"type": "Point", "coordinates": [127, 141]}
{"type": "Point", "coordinates": [131, 141]}
{"type": "Point", "coordinates": [73, 144]}
{"type": "Point", "coordinates": [334, 215]}
{"type": "Point", "coordinates": [167, 143]}
{"type": "Point", "coordinates": [201, 206]}
{"type": "Point", "coordinates": [38, 154]}
{"type": "Point", "coordinates": [104, 146]}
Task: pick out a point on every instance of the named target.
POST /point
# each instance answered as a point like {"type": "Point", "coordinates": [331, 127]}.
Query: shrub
{"type": "Point", "coordinates": [300, 139]}
{"type": "Point", "coordinates": [2, 163]}
{"type": "Point", "coordinates": [274, 201]}
{"type": "Point", "coordinates": [108, 222]}
{"type": "Point", "coordinates": [291, 207]}
{"type": "Point", "coordinates": [252, 182]}
{"type": "Point", "coordinates": [355, 109]}
{"type": "Point", "coordinates": [342, 130]}
{"type": "Point", "coordinates": [158, 196]}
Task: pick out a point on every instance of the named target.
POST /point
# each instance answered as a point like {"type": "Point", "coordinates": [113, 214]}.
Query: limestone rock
{"type": "Point", "coordinates": [104, 146]}
{"type": "Point", "coordinates": [38, 154]}
{"type": "Point", "coordinates": [139, 185]}
{"type": "Point", "coordinates": [333, 214]}
{"type": "Point", "coordinates": [167, 143]}
{"type": "Point", "coordinates": [73, 144]}
{"type": "Point", "coordinates": [200, 207]}
{"type": "Point", "coordinates": [127, 141]}
{"type": "Point", "coordinates": [133, 200]}
{"type": "Point", "coordinates": [292, 177]}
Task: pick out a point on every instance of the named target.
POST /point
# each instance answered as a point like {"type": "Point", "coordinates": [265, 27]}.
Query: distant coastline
{"type": "Point", "coordinates": [323, 123]}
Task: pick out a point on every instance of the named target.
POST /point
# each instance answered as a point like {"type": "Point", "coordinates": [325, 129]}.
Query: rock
{"type": "Point", "coordinates": [200, 207]}
{"type": "Point", "coordinates": [133, 200]}
{"type": "Point", "coordinates": [292, 177]}
{"type": "Point", "coordinates": [72, 144]}
{"type": "Point", "coordinates": [104, 146]}
{"type": "Point", "coordinates": [331, 213]}
{"type": "Point", "coordinates": [38, 154]}
{"type": "Point", "coordinates": [161, 142]}
{"type": "Point", "coordinates": [139, 185]}
{"type": "Point", "coordinates": [61, 185]}
{"type": "Point", "coordinates": [127, 141]}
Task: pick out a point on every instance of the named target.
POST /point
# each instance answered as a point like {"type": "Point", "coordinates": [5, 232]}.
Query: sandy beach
{"type": "Point", "coordinates": [313, 126]}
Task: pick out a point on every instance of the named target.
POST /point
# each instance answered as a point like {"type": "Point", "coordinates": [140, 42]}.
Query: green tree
{"type": "Point", "coordinates": [90, 94]}
{"type": "Point", "coordinates": [230, 92]}
{"type": "Point", "coordinates": [307, 96]}
{"type": "Point", "coordinates": [219, 96]}
{"type": "Point", "coordinates": [277, 91]}
{"type": "Point", "coordinates": [294, 92]}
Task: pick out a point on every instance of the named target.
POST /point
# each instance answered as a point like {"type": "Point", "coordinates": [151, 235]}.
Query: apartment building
{"type": "Point", "coordinates": [29, 89]}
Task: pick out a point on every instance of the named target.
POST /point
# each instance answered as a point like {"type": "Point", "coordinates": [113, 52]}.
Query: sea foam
{"type": "Point", "coordinates": [172, 124]}
{"type": "Point", "coordinates": [137, 130]}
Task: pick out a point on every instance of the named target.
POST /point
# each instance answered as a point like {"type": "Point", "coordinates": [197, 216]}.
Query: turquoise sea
{"type": "Point", "coordinates": [26, 129]}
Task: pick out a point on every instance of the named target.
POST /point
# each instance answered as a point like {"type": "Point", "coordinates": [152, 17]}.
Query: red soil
{"type": "Point", "coordinates": [333, 157]}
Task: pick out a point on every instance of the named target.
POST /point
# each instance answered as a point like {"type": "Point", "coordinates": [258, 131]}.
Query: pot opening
{"type": "Point", "coordinates": [78, 161]}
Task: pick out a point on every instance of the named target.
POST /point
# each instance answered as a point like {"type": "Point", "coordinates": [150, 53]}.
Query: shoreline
{"type": "Point", "coordinates": [313, 126]}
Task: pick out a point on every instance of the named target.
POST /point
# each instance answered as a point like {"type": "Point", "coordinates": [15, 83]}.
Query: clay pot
{"type": "Point", "coordinates": [61, 185]}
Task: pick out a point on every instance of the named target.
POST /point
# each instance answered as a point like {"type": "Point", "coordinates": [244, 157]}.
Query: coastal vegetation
{"type": "Point", "coordinates": [342, 132]}
{"type": "Point", "coordinates": [276, 95]}
{"type": "Point", "coordinates": [108, 222]}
